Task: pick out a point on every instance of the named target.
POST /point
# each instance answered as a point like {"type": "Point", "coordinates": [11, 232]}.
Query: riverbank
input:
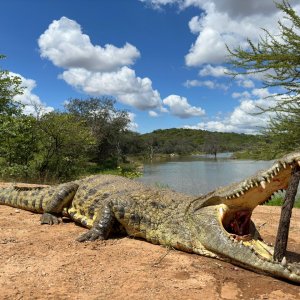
{"type": "Point", "coordinates": [45, 262]}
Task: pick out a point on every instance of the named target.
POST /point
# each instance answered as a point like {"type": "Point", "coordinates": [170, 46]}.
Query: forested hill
{"type": "Point", "coordinates": [187, 141]}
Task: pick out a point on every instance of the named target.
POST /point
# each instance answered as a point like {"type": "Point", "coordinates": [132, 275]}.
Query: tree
{"type": "Point", "coordinates": [278, 59]}
{"type": "Point", "coordinates": [10, 86]}
{"type": "Point", "coordinates": [18, 140]}
{"type": "Point", "coordinates": [107, 125]}
{"type": "Point", "coordinates": [64, 144]}
{"type": "Point", "coordinates": [212, 144]}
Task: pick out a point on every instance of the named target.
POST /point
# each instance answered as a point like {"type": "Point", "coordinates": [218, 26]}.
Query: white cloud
{"type": "Point", "coordinates": [66, 46]}
{"type": "Point", "coordinates": [261, 93]}
{"type": "Point", "coordinates": [123, 84]}
{"type": "Point", "coordinates": [32, 103]}
{"type": "Point", "coordinates": [247, 83]}
{"type": "Point", "coordinates": [180, 107]}
{"type": "Point", "coordinates": [244, 95]}
{"type": "Point", "coordinates": [195, 24]}
{"type": "Point", "coordinates": [97, 70]}
{"type": "Point", "coordinates": [153, 113]}
{"type": "Point", "coordinates": [215, 71]}
{"type": "Point", "coordinates": [244, 118]}
{"type": "Point", "coordinates": [205, 83]}
{"type": "Point", "coordinates": [225, 22]}
{"type": "Point", "coordinates": [133, 126]}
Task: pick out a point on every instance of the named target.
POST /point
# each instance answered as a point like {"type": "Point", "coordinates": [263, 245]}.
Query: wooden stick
{"type": "Point", "coordinates": [285, 217]}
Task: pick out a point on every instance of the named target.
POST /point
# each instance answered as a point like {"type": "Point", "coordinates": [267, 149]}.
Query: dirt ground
{"type": "Point", "coordinates": [45, 262]}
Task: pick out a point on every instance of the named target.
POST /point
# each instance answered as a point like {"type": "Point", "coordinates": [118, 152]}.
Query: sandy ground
{"type": "Point", "coordinates": [45, 262]}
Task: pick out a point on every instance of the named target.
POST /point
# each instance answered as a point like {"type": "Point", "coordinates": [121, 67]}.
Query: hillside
{"type": "Point", "coordinates": [187, 141]}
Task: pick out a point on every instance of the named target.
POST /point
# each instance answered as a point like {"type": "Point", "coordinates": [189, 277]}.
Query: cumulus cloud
{"type": "Point", "coordinates": [244, 118]}
{"type": "Point", "coordinates": [205, 83]}
{"type": "Point", "coordinates": [225, 22]}
{"type": "Point", "coordinates": [66, 46]}
{"type": "Point", "coordinates": [153, 113]}
{"type": "Point", "coordinates": [32, 103]}
{"type": "Point", "coordinates": [180, 107]}
{"type": "Point", "coordinates": [133, 126]}
{"type": "Point", "coordinates": [214, 71]}
{"type": "Point", "coordinates": [123, 84]}
{"type": "Point", "coordinates": [97, 70]}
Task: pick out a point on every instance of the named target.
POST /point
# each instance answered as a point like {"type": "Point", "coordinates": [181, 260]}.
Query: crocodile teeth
{"type": "Point", "coordinates": [221, 211]}
{"type": "Point", "coordinates": [284, 262]}
{"type": "Point", "coordinates": [237, 195]}
{"type": "Point", "coordinates": [263, 184]}
{"type": "Point", "coordinates": [298, 162]}
{"type": "Point", "coordinates": [284, 165]}
{"type": "Point", "coordinates": [242, 193]}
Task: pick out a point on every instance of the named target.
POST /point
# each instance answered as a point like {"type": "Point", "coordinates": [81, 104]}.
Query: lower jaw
{"type": "Point", "coordinates": [256, 245]}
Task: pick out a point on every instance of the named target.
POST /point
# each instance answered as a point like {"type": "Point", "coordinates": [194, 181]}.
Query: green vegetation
{"type": "Point", "coordinates": [189, 141]}
{"type": "Point", "coordinates": [278, 199]}
{"type": "Point", "coordinates": [88, 137]}
{"type": "Point", "coordinates": [161, 185]}
{"type": "Point", "coordinates": [277, 59]}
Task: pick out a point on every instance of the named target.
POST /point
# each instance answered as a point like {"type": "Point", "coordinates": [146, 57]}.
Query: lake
{"type": "Point", "coordinates": [199, 174]}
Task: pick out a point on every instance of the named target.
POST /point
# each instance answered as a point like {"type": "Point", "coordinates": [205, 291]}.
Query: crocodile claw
{"type": "Point", "coordinates": [92, 235]}
{"type": "Point", "coordinates": [49, 219]}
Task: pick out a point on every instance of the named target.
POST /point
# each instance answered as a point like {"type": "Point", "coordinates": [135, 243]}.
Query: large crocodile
{"type": "Point", "coordinates": [217, 225]}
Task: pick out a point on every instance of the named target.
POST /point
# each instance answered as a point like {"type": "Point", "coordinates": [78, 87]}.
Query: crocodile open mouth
{"type": "Point", "coordinates": [237, 224]}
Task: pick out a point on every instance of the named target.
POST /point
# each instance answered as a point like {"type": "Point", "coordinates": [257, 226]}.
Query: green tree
{"type": "Point", "coordinates": [64, 144]}
{"type": "Point", "coordinates": [278, 59]}
{"type": "Point", "coordinates": [10, 86]}
{"type": "Point", "coordinates": [18, 140]}
{"type": "Point", "coordinates": [18, 147]}
{"type": "Point", "coordinates": [107, 125]}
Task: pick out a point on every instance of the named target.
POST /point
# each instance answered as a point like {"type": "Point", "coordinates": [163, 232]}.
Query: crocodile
{"type": "Point", "coordinates": [216, 225]}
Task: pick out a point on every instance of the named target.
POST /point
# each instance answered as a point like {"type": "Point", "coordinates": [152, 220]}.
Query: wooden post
{"type": "Point", "coordinates": [286, 213]}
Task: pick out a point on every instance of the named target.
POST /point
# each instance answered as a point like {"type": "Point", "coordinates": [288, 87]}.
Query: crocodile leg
{"type": "Point", "coordinates": [102, 227]}
{"type": "Point", "coordinates": [60, 200]}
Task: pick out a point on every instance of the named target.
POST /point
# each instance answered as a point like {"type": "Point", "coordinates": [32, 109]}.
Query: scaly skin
{"type": "Point", "coordinates": [216, 225]}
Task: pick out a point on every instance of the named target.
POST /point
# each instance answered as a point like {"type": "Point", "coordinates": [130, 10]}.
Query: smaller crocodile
{"type": "Point", "coordinates": [216, 225]}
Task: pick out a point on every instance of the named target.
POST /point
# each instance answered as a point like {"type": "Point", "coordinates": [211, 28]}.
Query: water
{"type": "Point", "coordinates": [198, 175]}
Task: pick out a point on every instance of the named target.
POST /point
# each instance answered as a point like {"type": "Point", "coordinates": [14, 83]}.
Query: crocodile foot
{"type": "Point", "coordinates": [92, 235]}
{"type": "Point", "coordinates": [49, 219]}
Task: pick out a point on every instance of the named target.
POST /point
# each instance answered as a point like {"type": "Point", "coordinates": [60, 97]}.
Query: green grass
{"type": "Point", "coordinates": [161, 185]}
{"type": "Point", "coordinates": [277, 200]}
{"type": "Point", "coordinates": [121, 172]}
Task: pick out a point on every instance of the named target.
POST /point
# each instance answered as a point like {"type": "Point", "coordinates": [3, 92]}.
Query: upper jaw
{"type": "Point", "coordinates": [266, 182]}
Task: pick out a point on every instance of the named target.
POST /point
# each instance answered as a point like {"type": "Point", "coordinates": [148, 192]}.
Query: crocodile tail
{"type": "Point", "coordinates": [32, 199]}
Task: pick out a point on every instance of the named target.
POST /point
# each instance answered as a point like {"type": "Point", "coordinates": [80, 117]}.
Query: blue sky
{"type": "Point", "coordinates": [163, 60]}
